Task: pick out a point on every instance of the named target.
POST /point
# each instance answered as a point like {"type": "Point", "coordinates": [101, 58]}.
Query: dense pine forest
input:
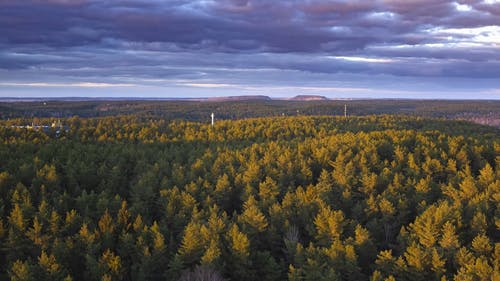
{"type": "Point", "coordinates": [144, 197]}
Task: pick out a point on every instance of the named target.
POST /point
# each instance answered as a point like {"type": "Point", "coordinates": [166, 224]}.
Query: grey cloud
{"type": "Point", "coordinates": [181, 39]}
{"type": "Point", "coordinates": [276, 26]}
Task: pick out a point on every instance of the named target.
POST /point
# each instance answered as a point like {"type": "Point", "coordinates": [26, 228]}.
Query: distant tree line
{"type": "Point", "coordinates": [481, 111]}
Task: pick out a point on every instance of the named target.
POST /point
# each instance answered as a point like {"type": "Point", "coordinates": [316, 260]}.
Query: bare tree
{"type": "Point", "coordinates": [201, 273]}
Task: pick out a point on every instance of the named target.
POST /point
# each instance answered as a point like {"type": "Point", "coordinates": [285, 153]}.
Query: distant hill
{"type": "Point", "coordinates": [309, 98]}
{"type": "Point", "coordinates": [240, 98]}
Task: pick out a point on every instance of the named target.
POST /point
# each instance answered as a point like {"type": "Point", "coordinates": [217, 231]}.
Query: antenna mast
{"type": "Point", "coordinates": [345, 111]}
{"type": "Point", "coordinates": [212, 115]}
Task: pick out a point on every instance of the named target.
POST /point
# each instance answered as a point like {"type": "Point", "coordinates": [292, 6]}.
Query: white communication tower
{"type": "Point", "coordinates": [212, 115]}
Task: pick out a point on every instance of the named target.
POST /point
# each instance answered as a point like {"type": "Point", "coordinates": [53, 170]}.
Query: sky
{"type": "Point", "coordinates": [279, 48]}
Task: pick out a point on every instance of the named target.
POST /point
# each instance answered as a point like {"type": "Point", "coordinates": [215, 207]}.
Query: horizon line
{"type": "Point", "coordinates": [233, 98]}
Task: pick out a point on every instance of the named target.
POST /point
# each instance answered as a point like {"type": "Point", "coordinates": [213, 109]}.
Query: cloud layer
{"type": "Point", "coordinates": [253, 45]}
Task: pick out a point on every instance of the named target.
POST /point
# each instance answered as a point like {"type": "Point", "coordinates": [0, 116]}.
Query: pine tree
{"type": "Point", "coordinates": [212, 254]}
{"type": "Point", "coordinates": [418, 261]}
{"type": "Point", "coordinates": [449, 238]}
{"type": "Point", "coordinates": [224, 192]}
{"type": "Point", "coordinates": [123, 216]}
{"type": "Point", "coordinates": [239, 255]}
{"type": "Point", "coordinates": [192, 246]}
{"type": "Point", "coordinates": [111, 264]}
{"type": "Point", "coordinates": [36, 234]}
{"type": "Point", "coordinates": [21, 271]}
{"type": "Point", "coordinates": [329, 225]}
{"type": "Point", "coordinates": [252, 217]}
{"type": "Point", "coordinates": [437, 264]}
{"type": "Point", "coordinates": [50, 269]}
{"type": "Point", "coordinates": [486, 176]}
{"type": "Point", "coordinates": [385, 263]}
{"type": "Point", "coordinates": [17, 219]}
{"type": "Point", "coordinates": [364, 246]}
{"type": "Point", "coordinates": [481, 245]}
{"type": "Point", "coordinates": [268, 192]}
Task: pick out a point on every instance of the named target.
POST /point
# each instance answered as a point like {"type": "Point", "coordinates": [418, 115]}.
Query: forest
{"type": "Point", "coordinates": [157, 197]}
{"type": "Point", "coordinates": [479, 111]}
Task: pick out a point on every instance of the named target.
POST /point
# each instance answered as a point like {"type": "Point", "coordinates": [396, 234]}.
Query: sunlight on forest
{"type": "Point", "coordinates": [276, 198]}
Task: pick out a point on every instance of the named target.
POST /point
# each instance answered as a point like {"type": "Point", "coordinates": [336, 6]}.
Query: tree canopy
{"type": "Point", "coordinates": [275, 198]}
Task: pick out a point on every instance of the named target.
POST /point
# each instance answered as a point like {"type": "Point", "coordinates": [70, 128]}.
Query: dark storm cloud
{"type": "Point", "coordinates": [208, 39]}
{"type": "Point", "coordinates": [276, 26]}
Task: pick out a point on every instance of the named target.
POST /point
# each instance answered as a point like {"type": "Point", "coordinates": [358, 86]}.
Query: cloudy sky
{"type": "Point", "coordinates": [200, 48]}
